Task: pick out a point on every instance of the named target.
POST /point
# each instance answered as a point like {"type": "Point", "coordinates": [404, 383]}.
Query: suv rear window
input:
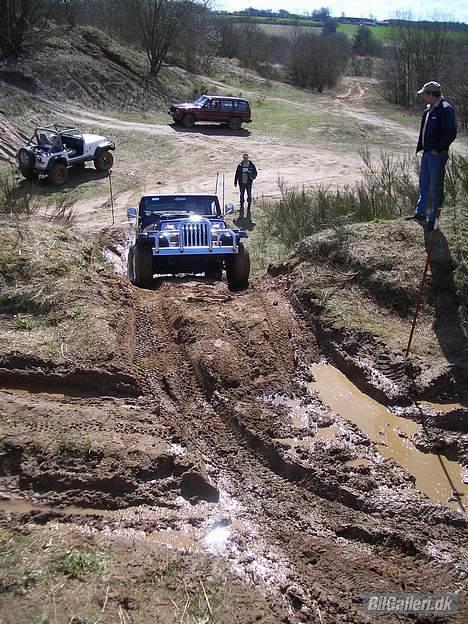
{"type": "Point", "coordinates": [241, 105]}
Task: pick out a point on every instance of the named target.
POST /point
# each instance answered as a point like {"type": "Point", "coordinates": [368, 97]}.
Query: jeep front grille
{"type": "Point", "coordinates": [195, 234]}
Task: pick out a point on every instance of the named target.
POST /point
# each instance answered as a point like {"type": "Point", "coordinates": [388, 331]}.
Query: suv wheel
{"type": "Point", "coordinates": [58, 174]}
{"type": "Point", "coordinates": [238, 269]}
{"type": "Point", "coordinates": [104, 161]}
{"type": "Point", "coordinates": [235, 123]}
{"type": "Point", "coordinates": [188, 120]}
{"type": "Point", "coordinates": [142, 265]}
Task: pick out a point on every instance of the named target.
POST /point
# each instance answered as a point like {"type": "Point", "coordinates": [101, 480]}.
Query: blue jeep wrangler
{"type": "Point", "coordinates": [185, 234]}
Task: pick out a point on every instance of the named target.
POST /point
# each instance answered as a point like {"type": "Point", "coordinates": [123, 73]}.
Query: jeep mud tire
{"type": "Point", "coordinates": [130, 265]}
{"type": "Point", "coordinates": [214, 273]}
{"type": "Point", "coordinates": [188, 120]}
{"type": "Point", "coordinates": [29, 174]}
{"type": "Point", "coordinates": [58, 174]}
{"type": "Point", "coordinates": [142, 265]}
{"type": "Point", "coordinates": [104, 161]}
{"type": "Point", "coordinates": [238, 269]}
{"type": "Point", "coordinates": [26, 159]}
{"type": "Point", "coordinates": [235, 123]}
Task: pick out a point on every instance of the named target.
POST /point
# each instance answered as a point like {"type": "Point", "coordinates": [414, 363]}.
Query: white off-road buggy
{"type": "Point", "coordinates": [53, 149]}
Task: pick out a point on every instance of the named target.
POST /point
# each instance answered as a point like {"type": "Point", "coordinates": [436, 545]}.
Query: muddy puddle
{"type": "Point", "coordinates": [436, 476]}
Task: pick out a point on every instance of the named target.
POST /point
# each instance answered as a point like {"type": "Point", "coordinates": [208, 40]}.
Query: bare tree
{"type": "Point", "coordinates": [199, 42]}
{"type": "Point", "coordinates": [418, 52]}
{"type": "Point", "coordinates": [160, 22]}
{"type": "Point", "coordinates": [19, 20]}
{"type": "Point", "coordinates": [318, 61]}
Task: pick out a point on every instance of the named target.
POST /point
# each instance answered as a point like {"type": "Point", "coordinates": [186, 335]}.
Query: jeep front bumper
{"type": "Point", "coordinates": [196, 237]}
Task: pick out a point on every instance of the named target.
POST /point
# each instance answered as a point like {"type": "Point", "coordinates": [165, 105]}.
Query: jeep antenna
{"type": "Point", "coordinates": [111, 196]}
{"type": "Point", "coordinates": [223, 191]}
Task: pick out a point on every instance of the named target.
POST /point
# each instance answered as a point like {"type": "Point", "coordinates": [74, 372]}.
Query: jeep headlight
{"type": "Point", "coordinates": [171, 235]}
{"type": "Point", "coordinates": [168, 227]}
{"type": "Point", "coordinates": [218, 225]}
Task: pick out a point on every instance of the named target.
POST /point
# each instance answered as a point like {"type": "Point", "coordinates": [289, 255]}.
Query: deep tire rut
{"type": "Point", "coordinates": [316, 538]}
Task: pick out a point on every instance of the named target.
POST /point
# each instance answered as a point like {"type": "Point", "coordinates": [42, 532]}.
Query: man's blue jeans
{"type": "Point", "coordinates": [431, 183]}
{"type": "Point", "coordinates": [245, 187]}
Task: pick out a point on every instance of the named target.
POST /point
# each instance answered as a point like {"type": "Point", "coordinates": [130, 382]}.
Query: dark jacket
{"type": "Point", "coordinates": [252, 173]}
{"type": "Point", "coordinates": [438, 128]}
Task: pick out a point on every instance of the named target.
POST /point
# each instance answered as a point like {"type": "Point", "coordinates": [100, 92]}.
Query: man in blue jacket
{"type": "Point", "coordinates": [246, 173]}
{"type": "Point", "coordinates": [438, 130]}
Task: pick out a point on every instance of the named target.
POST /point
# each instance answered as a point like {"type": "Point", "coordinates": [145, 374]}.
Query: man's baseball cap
{"type": "Point", "coordinates": [429, 87]}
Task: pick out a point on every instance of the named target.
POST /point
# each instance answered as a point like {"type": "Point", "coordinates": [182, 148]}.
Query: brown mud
{"type": "Point", "coordinates": [228, 455]}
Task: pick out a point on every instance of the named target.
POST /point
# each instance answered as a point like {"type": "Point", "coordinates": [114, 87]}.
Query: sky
{"type": "Point", "coordinates": [456, 10]}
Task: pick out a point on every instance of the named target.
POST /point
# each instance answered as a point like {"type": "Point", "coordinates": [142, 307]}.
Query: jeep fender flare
{"type": "Point", "coordinates": [103, 147]}
{"type": "Point", "coordinates": [56, 159]}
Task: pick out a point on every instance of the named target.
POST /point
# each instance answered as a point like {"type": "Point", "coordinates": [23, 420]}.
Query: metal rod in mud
{"type": "Point", "coordinates": [216, 185]}
{"type": "Point", "coordinates": [423, 280]}
{"type": "Point", "coordinates": [111, 196]}
{"type": "Point", "coordinates": [223, 191]}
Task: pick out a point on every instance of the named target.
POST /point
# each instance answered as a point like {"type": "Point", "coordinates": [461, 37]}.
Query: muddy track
{"type": "Point", "coordinates": [217, 371]}
{"type": "Point", "coordinates": [215, 355]}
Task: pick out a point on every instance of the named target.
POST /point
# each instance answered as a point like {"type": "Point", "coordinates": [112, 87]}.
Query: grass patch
{"type": "Point", "coordinates": [203, 604]}
{"type": "Point", "coordinates": [284, 119]}
{"type": "Point", "coordinates": [75, 446]}
{"type": "Point", "coordinates": [41, 265]}
{"type": "Point", "coordinates": [23, 324]}
{"type": "Point", "coordinates": [78, 563]}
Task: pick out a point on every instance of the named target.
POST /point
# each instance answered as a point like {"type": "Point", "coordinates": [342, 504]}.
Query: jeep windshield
{"type": "Point", "coordinates": [152, 208]}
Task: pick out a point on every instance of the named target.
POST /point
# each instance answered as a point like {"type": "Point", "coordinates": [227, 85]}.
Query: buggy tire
{"type": "Point", "coordinates": [58, 174]}
{"type": "Point", "coordinates": [235, 123]}
{"type": "Point", "coordinates": [104, 161]}
{"type": "Point", "coordinates": [29, 174]}
{"type": "Point", "coordinates": [238, 269]}
{"type": "Point", "coordinates": [188, 120]}
{"type": "Point", "coordinates": [142, 265]}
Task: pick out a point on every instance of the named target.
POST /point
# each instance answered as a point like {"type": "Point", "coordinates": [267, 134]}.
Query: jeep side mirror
{"type": "Point", "coordinates": [131, 213]}
{"type": "Point", "coordinates": [228, 208]}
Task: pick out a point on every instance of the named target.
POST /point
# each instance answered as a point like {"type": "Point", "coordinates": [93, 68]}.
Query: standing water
{"type": "Point", "coordinates": [436, 476]}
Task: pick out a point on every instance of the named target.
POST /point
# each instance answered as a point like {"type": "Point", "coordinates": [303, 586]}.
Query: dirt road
{"type": "Point", "coordinates": [164, 157]}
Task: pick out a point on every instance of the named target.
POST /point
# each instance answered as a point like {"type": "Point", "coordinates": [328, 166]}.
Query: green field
{"type": "Point", "coordinates": [281, 21]}
{"type": "Point", "coordinates": [379, 32]}
{"type": "Point", "coordinates": [283, 27]}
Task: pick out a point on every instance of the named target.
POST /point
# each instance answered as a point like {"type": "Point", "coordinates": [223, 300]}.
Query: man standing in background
{"type": "Point", "coordinates": [438, 130]}
{"type": "Point", "coordinates": [246, 173]}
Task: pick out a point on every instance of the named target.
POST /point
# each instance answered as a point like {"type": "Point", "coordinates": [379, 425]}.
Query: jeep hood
{"type": "Point", "coordinates": [94, 138]}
